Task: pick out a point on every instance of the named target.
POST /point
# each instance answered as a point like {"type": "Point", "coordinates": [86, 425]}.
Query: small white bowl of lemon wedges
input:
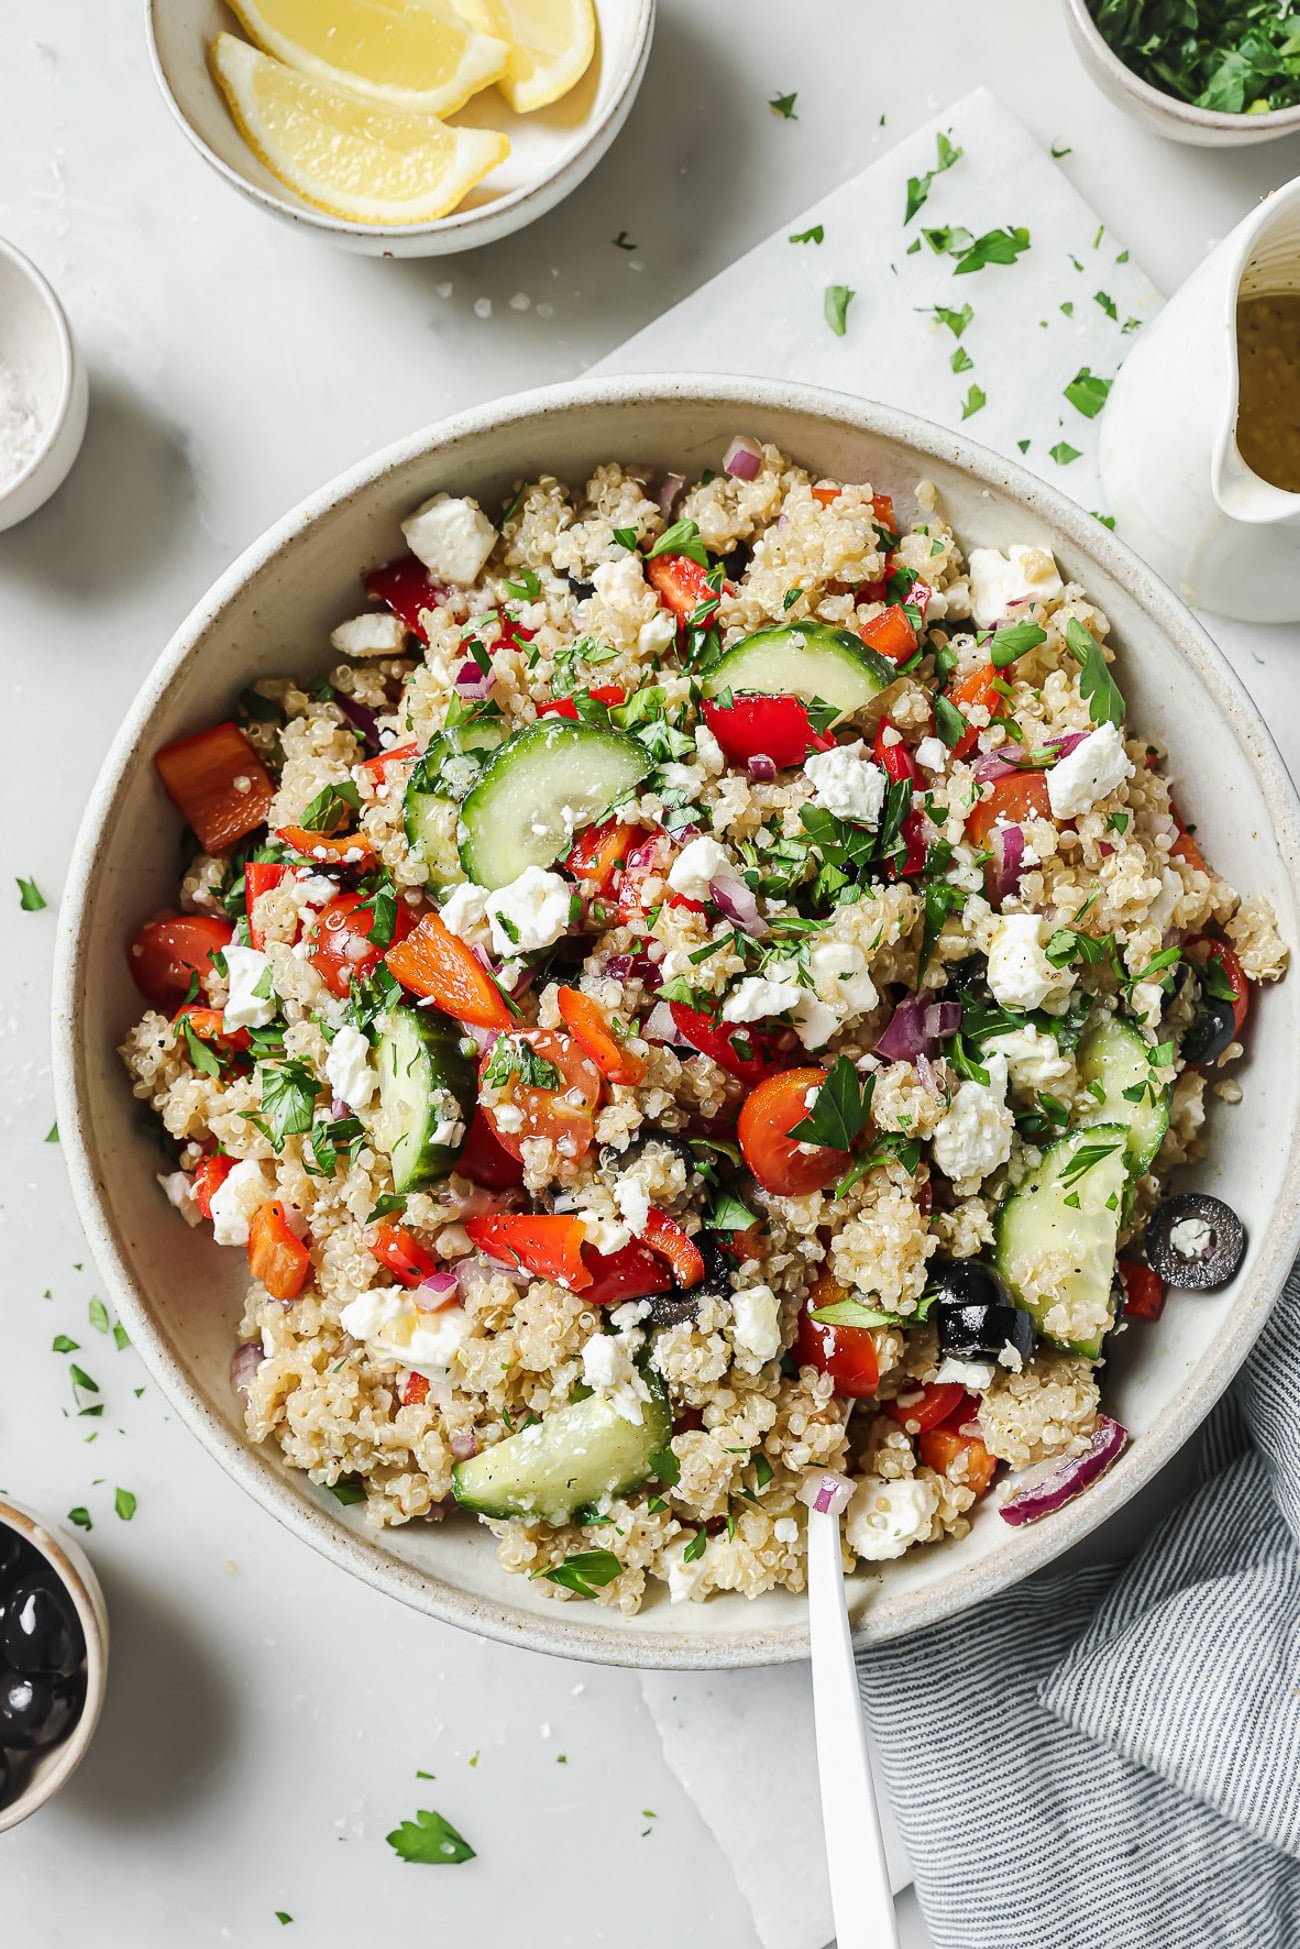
{"type": "Point", "coordinates": [402, 128]}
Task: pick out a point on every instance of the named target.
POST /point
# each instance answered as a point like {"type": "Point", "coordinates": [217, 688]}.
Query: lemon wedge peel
{"type": "Point", "coordinates": [365, 45]}
{"type": "Point", "coordinates": [551, 45]}
{"type": "Point", "coordinates": [344, 153]}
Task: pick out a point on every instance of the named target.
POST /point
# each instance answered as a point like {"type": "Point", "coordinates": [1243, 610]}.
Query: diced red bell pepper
{"type": "Point", "coordinates": [398, 754]}
{"type": "Point", "coordinates": [588, 1024]}
{"type": "Point", "coordinates": [634, 1272]}
{"type": "Point", "coordinates": [882, 505]}
{"type": "Point", "coordinates": [664, 1236]}
{"type": "Point", "coordinates": [599, 851]}
{"type": "Point", "coordinates": [715, 1039]}
{"type": "Point", "coordinates": [350, 849]}
{"type": "Point", "coordinates": [406, 587]}
{"type": "Point", "coordinates": [1233, 973]}
{"type": "Point", "coordinates": [218, 782]}
{"type": "Point", "coordinates": [550, 1246]}
{"type": "Point", "coordinates": [1144, 1290]}
{"type": "Point", "coordinates": [209, 1176]}
{"type": "Point", "coordinates": [898, 765]}
{"type": "Point", "coordinates": [276, 1255]}
{"type": "Point", "coordinates": [483, 1160]}
{"type": "Point", "coordinates": [939, 1448]}
{"type": "Point", "coordinates": [680, 584]}
{"type": "Point", "coordinates": [208, 1024]}
{"type": "Point", "coordinates": [260, 875]}
{"type": "Point", "coordinates": [401, 1253]}
{"type": "Point", "coordinates": [607, 694]}
{"type": "Point", "coordinates": [415, 1390]}
{"type": "Point", "coordinates": [778, 728]}
{"type": "Point", "coordinates": [978, 690]}
{"type": "Point", "coordinates": [891, 633]}
{"type": "Point", "coordinates": [939, 1402]}
{"type": "Point", "coordinates": [433, 961]}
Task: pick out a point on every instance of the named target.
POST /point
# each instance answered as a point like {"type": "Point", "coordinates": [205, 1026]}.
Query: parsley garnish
{"type": "Point", "coordinates": [948, 721]}
{"type": "Point", "coordinates": [817, 235]}
{"type": "Point", "coordinates": [840, 1110]}
{"type": "Point", "coordinates": [289, 1092]}
{"type": "Point", "coordinates": [918, 187]}
{"type": "Point", "coordinates": [1086, 1158]}
{"type": "Point", "coordinates": [956, 321]}
{"type": "Point", "coordinates": [124, 1503]}
{"type": "Point", "coordinates": [994, 247]}
{"type": "Point", "coordinates": [1087, 391]}
{"type": "Point", "coordinates": [695, 1548]}
{"type": "Point", "coordinates": [835, 307]}
{"type": "Point", "coordinates": [1239, 57]}
{"type": "Point", "coordinates": [30, 897]}
{"type": "Point", "coordinates": [1059, 150]}
{"type": "Point", "coordinates": [961, 360]}
{"type": "Point", "coordinates": [348, 1489]}
{"type": "Point", "coordinates": [682, 538]}
{"type": "Point", "coordinates": [430, 1840]}
{"type": "Point", "coordinates": [730, 1215]}
{"type": "Point", "coordinates": [585, 1573]}
{"type": "Point", "coordinates": [1006, 644]}
{"type": "Point", "coordinates": [511, 1057]}
{"type": "Point", "coordinates": [1063, 453]}
{"type": "Point", "coordinates": [528, 587]}
{"type": "Point", "coordinates": [783, 105]}
{"type": "Point", "coordinates": [1107, 304]}
{"type": "Point", "coordinates": [1096, 685]}
{"type": "Point", "coordinates": [621, 242]}
{"type": "Point", "coordinates": [974, 399]}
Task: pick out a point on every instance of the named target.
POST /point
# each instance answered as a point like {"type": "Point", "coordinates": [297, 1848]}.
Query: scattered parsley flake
{"type": "Point", "coordinates": [1060, 150]}
{"type": "Point", "coordinates": [1107, 304]}
{"type": "Point", "coordinates": [835, 306]}
{"type": "Point", "coordinates": [52, 1134]}
{"type": "Point", "coordinates": [1087, 391]}
{"type": "Point", "coordinates": [623, 241]}
{"type": "Point", "coordinates": [783, 105]}
{"type": "Point", "coordinates": [81, 1517]}
{"type": "Point", "coordinates": [817, 235]}
{"type": "Point", "coordinates": [974, 399]}
{"type": "Point", "coordinates": [584, 1573]}
{"type": "Point", "coordinates": [283, 1917]}
{"type": "Point", "coordinates": [30, 897]}
{"type": "Point", "coordinates": [1023, 445]}
{"type": "Point", "coordinates": [961, 360]}
{"type": "Point", "coordinates": [918, 187]}
{"type": "Point", "coordinates": [124, 1503]}
{"type": "Point", "coordinates": [430, 1841]}
{"type": "Point", "coordinates": [994, 247]}
{"type": "Point", "coordinates": [62, 1344]}
{"type": "Point", "coordinates": [840, 1109]}
{"type": "Point", "coordinates": [1099, 690]}
{"type": "Point", "coordinates": [1063, 453]}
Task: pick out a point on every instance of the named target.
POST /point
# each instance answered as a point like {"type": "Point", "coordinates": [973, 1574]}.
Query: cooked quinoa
{"type": "Point", "coordinates": [897, 940]}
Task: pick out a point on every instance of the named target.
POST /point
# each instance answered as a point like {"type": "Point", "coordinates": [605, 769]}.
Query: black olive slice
{"type": "Point", "coordinates": [975, 1330]}
{"type": "Point", "coordinates": [1213, 1027]}
{"type": "Point", "coordinates": [1195, 1242]}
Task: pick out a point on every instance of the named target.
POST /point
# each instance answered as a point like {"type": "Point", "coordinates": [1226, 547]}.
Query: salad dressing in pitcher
{"type": "Point", "coordinates": [1268, 400]}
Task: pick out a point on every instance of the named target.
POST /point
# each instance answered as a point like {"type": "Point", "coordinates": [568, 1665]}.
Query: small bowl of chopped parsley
{"type": "Point", "coordinates": [1213, 72]}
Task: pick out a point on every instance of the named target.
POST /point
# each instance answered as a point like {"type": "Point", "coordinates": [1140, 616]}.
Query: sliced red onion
{"type": "Point", "coordinates": [1043, 1490]}
{"type": "Point", "coordinates": [244, 1363]}
{"type": "Point", "coordinates": [1007, 844]}
{"type": "Point", "coordinates": [338, 1108]}
{"type": "Point", "coordinates": [473, 684]}
{"type": "Point", "coordinates": [480, 1037]}
{"type": "Point", "coordinates": [826, 1491]}
{"type": "Point", "coordinates": [635, 967]}
{"type": "Point", "coordinates": [659, 1026]}
{"type": "Point", "coordinates": [471, 1274]}
{"type": "Point", "coordinates": [734, 900]}
{"type": "Point", "coordinates": [928, 1074]}
{"type": "Point", "coordinates": [647, 855]}
{"type": "Point", "coordinates": [992, 766]}
{"type": "Point", "coordinates": [941, 1019]}
{"type": "Point", "coordinates": [464, 1446]}
{"type": "Point", "coordinates": [744, 458]}
{"type": "Point", "coordinates": [761, 768]}
{"type": "Point", "coordinates": [1064, 746]}
{"type": "Point", "coordinates": [669, 488]}
{"type": "Point", "coordinates": [437, 1291]}
{"type": "Point", "coordinates": [360, 718]}
{"type": "Point", "coordinates": [1105, 848]}
{"type": "Point", "coordinates": [905, 1036]}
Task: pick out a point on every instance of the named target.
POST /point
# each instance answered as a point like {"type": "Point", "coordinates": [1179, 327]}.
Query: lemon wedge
{"type": "Point", "coordinates": [413, 54]}
{"type": "Point", "coordinates": [347, 154]}
{"type": "Point", "coordinates": [551, 44]}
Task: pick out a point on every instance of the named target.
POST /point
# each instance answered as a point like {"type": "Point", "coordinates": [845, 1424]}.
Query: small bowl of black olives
{"type": "Point", "coordinates": [53, 1661]}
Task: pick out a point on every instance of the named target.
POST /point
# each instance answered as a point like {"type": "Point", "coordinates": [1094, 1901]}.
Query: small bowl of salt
{"type": "Point", "coordinates": [42, 390]}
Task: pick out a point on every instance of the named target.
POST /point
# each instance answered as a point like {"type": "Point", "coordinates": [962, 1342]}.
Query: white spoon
{"type": "Point", "coordinates": [861, 1900]}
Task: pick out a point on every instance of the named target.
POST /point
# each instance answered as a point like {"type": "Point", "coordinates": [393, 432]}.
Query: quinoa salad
{"type": "Point", "coordinates": [693, 1018]}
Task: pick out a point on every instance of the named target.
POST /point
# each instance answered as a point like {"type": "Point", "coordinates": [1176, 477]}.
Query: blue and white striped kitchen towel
{"type": "Point", "coordinates": [1111, 1759]}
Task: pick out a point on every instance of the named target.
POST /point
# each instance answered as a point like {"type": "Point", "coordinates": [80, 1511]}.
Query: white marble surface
{"type": "Point", "coordinates": [266, 1719]}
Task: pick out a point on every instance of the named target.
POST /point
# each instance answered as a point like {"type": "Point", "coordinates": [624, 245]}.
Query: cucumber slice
{"type": "Point", "coordinates": [1115, 1055]}
{"type": "Point", "coordinates": [575, 1455]}
{"type": "Point", "coordinates": [426, 1089]}
{"type": "Point", "coordinates": [446, 773]}
{"type": "Point", "coordinates": [544, 784]}
{"type": "Point", "coordinates": [1037, 1222]}
{"type": "Point", "coordinates": [804, 660]}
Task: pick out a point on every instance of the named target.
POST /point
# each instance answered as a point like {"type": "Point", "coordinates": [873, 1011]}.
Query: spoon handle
{"type": "Point", "coordinates": [860, 1894]}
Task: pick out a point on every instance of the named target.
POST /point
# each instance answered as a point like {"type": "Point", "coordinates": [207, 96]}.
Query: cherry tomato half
{"type": "Point", "coordinates": [166, 954]}
{"type": "Point", "coordinates": [783, 1164]}
{"type": "Point", "coordinates": [339, 944]}
{"type": "Point", "coordinates": [846, 1353]}
{"type": "Point", "coordinates": [517, 1110]}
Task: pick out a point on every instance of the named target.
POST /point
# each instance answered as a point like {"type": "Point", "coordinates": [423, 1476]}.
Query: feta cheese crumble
{"type": "Point", "coordinates": [249, 970]}
{"type": "Point", "coordinates": [377, 633]}
{"type": "Point", "coordinates": [1092, 771]}
{"type": "Point", "coordinates": [395, 1328]}
{"type": "Point", "coordinates": [932, 754]}
{"type": "Point", "coordinates": [1020, 974]}
{"type": "Point", "coordinates": [1191, 1238]}
{"type": "Point", "coordinates": [178, 1189]}
{"type": "Point", "coordinates": [464, 913]}
{"type": "Point", "coordinates": [758, 996]}
{"type": "Point", "coordinates": [885, 1518]}
{"type": "Point", "coordinates": [847, 783]}
{"type": "Point", "coordinates": [348, 1070]}
{"type": "Point", "coordinates": [530, 913]}
{"type": "Point", "coordinates": [755, 1327]}
{"type": "Point", "coordinates": [973, 1137]}
{"type": "Point", "coordinates": [608, 1368]}
{"type": "Point", "coordinates": [700, 861]}
{"type": "Point", "coordinates": [241, 1192]}
{"type": "Point", "coordinates": [452, 537]}
{"type": "Point", "coordinates": [1026, 573]}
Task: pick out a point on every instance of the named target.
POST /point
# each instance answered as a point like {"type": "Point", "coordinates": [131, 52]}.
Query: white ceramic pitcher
{"type": "Point", "coordinates": [1175, 481]}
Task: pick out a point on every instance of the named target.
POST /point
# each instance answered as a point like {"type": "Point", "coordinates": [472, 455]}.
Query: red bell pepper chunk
{"type": "Point", "coordinates": [588, 1024]}
{"type": "Point", "coordinates": [898, 765]}
{"type": "Point", "coordinates": [939, 1448]}
{"type": "Point", "coordinates": [715, 1039]}
{"type": "Point", "coordinates": [398, 754]}
{"type": "Point", "coordinates": [484, 1161]}
{"type": "Point", "coordinates": [276, 1255]}
{"type": "Point", "coordinates": [634, 1272]}
{"type": "Point", "coordinates": [218, 782]}
{"type": "Point", "coordinates": [401, 1253]}
{"type": "Point", "coordinates": [1144, 1290]}
{"type": "Point", "coordinates": [415, 1390]}
{"type": "Point", "coordinates": [979, 689]}
{"type": "Point", "coordinates": [680, 584]}
{"type": "Point", "coordinates": [778, 728]}
{"type": "Point", "coordinates": [208, 1024]}
{"type": "Point", "coordinates": [938, 1403]}
{"type": "Point", "coordinates": [260, 875]}
{"type": "Point", "coordinates": [664, 1236]}
{"type": "Point", "coordinates": [433, 961]}
{"type": "Point", "coordinates": [548, 1245]}
{"type": "Point", "coordinates": [607, 694]}
{"type": "Point", "coordinates": [599, 851]}
{"type": "Point", "coordinates": [209, 1176]}
{"type": "Point", "coordinates": [406, 587]}
{"type": "Point", "coordinates": [891, 633]}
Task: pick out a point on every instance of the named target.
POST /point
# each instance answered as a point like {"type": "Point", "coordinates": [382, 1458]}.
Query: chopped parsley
{"type": "Point", "coordinates": [994, 247]}
{"type": "Point", "coordinates": [621, 242]}
{"type": "Point", "coordinates": [817, 235]}
{"type": "Point", "coordinates": [961, 360]}
{"type": "Point", "coordinates": [835, 307]}
{"type": "Point", "coordinates": [289, 1092]}
{"type": "Point", "coordinates": [329, 811]}
{"type": "Point", "coordinates": [1063, 453]}
{"type": "Point", "coordinates": [840, 1109]}
{"type": "Point", "coordinates": [1012, 641]}
{"type": "Point", "coordinates": [974, 399]}
{"type": "Point", "coordinates": [1087, 391]}
{"type": "Point", "coordinates": [124, 1503]}
{"type": "Point", "coordinates": [529, 586]}
{"type": "Point", "coordinates": [30, 897]}
{"type": "Point", "coordinates": [918, 187]}
{"type": "Point", "coordinates": [429, 1840]}
{"type": "Point", "coordinates": [1099, 690]}
{"type": "Point", "coordinates": [682, 538]}
{"type": "Point", "coordinates": [1237, 56]}
{"type": "Point", "coordinates": [783, 105]}
{"type": "Point", "coordinates": [1107, 304]}
{"type": "Point", "coordinates": [584, 1573]}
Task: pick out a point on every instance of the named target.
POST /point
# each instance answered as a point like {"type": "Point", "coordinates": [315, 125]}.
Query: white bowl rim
{"type": "Point", "coordinates": [67, 364]}
{"type": "Point", "coordinates": [72, 1567]}
{"type": "Point", "coordinates": [456, 220]}
{"type": "Point", "coordinates": [1275, 121]}
{"type": "Point", "coordinates": [575, 1630]}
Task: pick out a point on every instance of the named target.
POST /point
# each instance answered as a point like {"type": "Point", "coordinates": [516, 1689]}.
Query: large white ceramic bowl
{"type": "Point", "coordinates": [180, 1295]}
{"type": "Point", "coordinates": [551, 151]}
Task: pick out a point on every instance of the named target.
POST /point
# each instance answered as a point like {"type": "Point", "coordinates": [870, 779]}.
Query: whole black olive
{"type": "Point", "coordinates": [737, 560]}
{"type": "Point", "coordinates": [41, 1631]}
{"type": "Point", "coordinates": [968, 977]}
{"type": "Point", "coordinates": [1212, 1028]}
{"type": "Point", "coordinates": [967, 1282]}
{"type": "Point", "coordinates": [37, 1708]}
{"type": "Point", "coordinates": [17, 1557]}
{"type": "Point", "coordinates": [1195, 1242]}
{"type": "Point", "coordinates": [683, 1302]}
{"type": "Point", "coordinates": [972, 1330]}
